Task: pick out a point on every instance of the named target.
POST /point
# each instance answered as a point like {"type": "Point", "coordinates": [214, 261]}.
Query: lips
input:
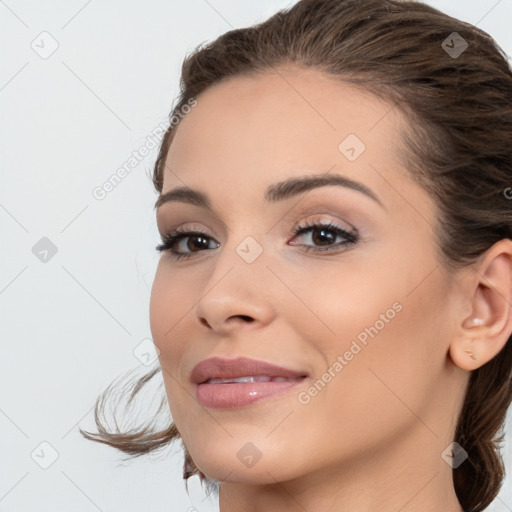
{"type": "Point", "coordinates": [242, 382]}
{"type": "Point", "coordinates": [220, 369]}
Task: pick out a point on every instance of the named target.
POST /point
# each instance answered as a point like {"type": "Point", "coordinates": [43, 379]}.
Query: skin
{"type": "Point", "coordinates": [372, 438]}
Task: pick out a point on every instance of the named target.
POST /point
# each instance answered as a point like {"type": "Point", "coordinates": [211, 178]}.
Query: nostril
{"type": "Point", "coordinates": [245, 317]}
{"type": "Point", "coordinates": [205, 322]}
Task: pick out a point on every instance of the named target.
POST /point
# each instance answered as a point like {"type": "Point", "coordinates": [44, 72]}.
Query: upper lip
{"type": "Point", "coordinates": [220, 368]}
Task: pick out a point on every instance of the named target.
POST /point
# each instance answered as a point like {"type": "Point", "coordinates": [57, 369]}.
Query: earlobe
{"type": "Point", "coordinates": [486, 329]}
{"type": "Point", "coordinates": [467, 354]}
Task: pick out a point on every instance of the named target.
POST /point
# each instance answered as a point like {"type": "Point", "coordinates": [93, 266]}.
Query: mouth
{"type": "Point", "coordinates": [241, 382]}
{"type": "Point", "coordinates": [252, 378]}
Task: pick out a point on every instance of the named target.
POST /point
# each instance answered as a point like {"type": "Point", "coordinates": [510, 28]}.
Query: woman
{"type": "Point", "coordinates": [332, 306]}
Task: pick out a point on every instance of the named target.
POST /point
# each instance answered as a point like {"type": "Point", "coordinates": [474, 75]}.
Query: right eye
{"type": "Point", "coordinates": [196, 239]}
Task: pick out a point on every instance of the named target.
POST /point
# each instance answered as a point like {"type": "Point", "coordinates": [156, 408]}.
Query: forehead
{"type": "Point", "coordinates": [250, 131]}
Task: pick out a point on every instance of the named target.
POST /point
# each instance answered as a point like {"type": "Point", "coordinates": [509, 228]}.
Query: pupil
{"type": "Point", "coordinates": [323, 233]}
{"type": "Point", "coordinates": [202, 242]}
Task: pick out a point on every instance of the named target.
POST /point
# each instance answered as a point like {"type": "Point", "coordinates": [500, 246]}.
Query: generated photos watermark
{"type": "Point", "coordinates": [305, 397]}
{"type": "Point", "coordinates": [100, 192]}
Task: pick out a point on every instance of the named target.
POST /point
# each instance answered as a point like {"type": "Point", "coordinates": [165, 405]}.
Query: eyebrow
{"type": "Point", "coordinates": [274, 193]}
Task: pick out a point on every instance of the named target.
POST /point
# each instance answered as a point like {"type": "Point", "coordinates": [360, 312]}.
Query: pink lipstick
{"type": "Point", "coordinates": [231, 383]}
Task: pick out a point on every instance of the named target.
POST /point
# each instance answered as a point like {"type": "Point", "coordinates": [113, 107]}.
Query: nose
{"type": "Point", "coordinates": [240, 298]}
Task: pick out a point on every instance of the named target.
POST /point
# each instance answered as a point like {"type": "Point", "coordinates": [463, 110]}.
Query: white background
{"type": "Point", "coordinates": [70, 326]}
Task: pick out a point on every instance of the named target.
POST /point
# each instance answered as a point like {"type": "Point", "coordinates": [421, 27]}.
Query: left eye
{"type": "Point", "coordinates": [325, 235]}
{"type": "Point", "coordinates": [322, 234]}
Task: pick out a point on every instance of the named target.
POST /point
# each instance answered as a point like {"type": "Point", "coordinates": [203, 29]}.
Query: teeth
{"type": "Point", "coordinates": [249, 378]}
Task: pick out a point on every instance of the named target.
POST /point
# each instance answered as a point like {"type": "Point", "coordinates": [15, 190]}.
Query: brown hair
{"type": "Point", "coordinates": [458, 146]}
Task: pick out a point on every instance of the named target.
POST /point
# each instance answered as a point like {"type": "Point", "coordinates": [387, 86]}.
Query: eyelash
{"type": "Point", "coordinates": [169, 240]}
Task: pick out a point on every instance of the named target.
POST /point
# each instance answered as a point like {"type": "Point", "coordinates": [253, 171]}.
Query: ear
{"type": "Point", "coordinates": [483, 332]}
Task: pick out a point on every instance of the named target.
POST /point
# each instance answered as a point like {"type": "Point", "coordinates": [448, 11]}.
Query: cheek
{"type": "Point", "coordinates": [171, 304]}
{"type": "Point", "coordinates": [383, 338]}
{"type": "Point", "coordinates": [344, 302]}
{"type": "Point", "coordinates": [171, 310]}
{"type": "Point", "coordinates": [165, 311]}
{"type": "Point", "coordinates": [389, 299]}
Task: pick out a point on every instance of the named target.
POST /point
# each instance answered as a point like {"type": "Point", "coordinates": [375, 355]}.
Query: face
{"type": "Point", "coordinates": [339, 283]}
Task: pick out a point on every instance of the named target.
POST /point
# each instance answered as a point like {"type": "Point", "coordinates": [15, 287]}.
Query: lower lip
{"type": "Point", "coordinates": [240, 394]}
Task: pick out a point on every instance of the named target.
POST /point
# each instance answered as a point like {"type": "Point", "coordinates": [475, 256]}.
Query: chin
{"type": "Point", "coordinates": [261, 474]}
{"type": "Point", "coordinates": [242, 461]}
